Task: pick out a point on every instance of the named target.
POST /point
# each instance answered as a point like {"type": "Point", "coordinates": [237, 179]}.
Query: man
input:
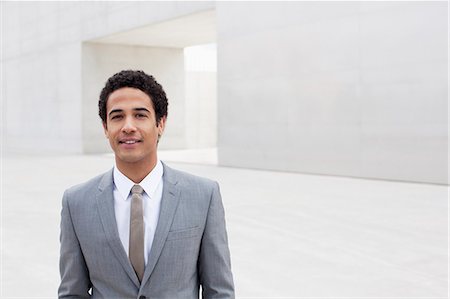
{"type": "Point", "coordinates": [142, 230]}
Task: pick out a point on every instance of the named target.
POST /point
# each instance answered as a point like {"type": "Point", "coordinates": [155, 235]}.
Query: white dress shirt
{"type": "Point", "coordinates": [153, 186]}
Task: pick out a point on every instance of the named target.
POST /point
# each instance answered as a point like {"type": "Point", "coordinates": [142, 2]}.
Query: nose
{"type": "Point", "coordinates": [128, 126]}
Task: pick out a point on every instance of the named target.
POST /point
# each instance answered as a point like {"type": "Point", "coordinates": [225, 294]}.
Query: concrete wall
{"type": "Point", "coordinates": [201, 109]}
{"type": "Point", "coordinates": [42, 102]}
{"type": "Point", "coordinates": [201, 96]}
{"type": "Point", "coordinates": [100, 61]}
{"type": "Point", "coordinates": [341, 88]}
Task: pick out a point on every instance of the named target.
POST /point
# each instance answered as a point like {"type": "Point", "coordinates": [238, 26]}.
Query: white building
{"type": "Point", "coordinates": [341, 88]}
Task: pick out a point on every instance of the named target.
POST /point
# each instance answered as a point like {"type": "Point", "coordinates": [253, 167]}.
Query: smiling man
{"type": "Point", "coordinates": [142, 230]}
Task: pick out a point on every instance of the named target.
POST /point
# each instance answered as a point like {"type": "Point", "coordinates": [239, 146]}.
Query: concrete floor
{"type": "Point", "coordinates": [291, 235]}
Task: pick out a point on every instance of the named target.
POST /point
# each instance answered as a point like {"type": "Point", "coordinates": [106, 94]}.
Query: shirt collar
{"type": "Point", "coordinates": [149, 183]}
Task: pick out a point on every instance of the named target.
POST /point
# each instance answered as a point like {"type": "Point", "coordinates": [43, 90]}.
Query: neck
{"type": "Point", "coordinates": [136, 171]}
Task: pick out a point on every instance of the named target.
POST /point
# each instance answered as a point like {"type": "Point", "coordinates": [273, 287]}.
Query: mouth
{"type": "Point", "coordinates": [133, 141]}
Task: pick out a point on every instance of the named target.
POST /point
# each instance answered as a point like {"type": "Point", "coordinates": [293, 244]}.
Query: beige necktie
{"type": "Point", "coordinates": [136, 246]}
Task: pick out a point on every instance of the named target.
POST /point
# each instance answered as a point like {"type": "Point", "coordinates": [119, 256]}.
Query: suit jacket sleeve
{"type": "Point", "coordinates": [214, 260]}
{"type": "Point", "coordinates": [75, 281]}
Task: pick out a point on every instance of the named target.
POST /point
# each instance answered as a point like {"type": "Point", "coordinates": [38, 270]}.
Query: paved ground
{"type": "Point", "coordinates": [291, 235]}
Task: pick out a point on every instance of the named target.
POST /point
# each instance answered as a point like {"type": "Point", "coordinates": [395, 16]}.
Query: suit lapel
{"type": "Point", "coordinates": [169, 203]}
{"type": "Point", "coordinates": [105, 204]}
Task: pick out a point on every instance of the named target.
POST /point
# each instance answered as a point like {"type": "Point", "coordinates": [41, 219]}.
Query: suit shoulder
{"type": "Point", "coordinates": [189, 179]}
{"type": "Point", "coordinates": [87, 187]}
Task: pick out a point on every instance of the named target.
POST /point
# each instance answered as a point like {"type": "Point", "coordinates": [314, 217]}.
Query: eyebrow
{"type": "Point", "coordinates": [121, 110]}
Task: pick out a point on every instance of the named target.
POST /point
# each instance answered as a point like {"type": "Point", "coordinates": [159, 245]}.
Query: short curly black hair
{"type": "Point", "coordinates": [136, 79]}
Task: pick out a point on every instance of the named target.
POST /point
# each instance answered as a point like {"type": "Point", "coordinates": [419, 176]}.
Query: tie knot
{"type": "Point", "coordinates": [137, 190]}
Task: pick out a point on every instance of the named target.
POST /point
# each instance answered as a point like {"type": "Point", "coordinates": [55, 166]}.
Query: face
{"type": "Point", "coordinates": [131, 126]}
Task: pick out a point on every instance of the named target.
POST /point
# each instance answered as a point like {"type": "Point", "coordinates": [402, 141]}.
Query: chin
{"type": "Point", "coordinates": [129, 158]}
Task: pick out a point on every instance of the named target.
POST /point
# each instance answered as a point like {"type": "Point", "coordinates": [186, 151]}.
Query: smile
{"type": "Point", "coordinates": [129, 141]}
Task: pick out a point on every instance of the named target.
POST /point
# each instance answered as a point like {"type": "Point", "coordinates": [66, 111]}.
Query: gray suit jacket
{"type": "Point", "coordinates": [190, 247]}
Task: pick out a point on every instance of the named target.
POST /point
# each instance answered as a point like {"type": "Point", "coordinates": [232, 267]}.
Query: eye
{"type": "Point", "coordinates": [116, 117]}
{"type": "Point", "coordinates": [140, 115]}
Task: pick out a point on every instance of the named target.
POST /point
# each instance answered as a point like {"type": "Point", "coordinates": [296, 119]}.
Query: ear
{"type": "Point", "coordinates": [161, 125]}
{"type": "Point", "coordinates": [105, 129]}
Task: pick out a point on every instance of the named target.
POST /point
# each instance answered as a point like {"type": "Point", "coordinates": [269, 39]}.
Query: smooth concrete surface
{"type": "Point", "coordinates": [291, 235]}
{"type": "Point", "coordinates": [201, 110]}
{"type": "Point", "coordinates": [352, 88]}
{"type": "Point", "coordinates": [180, 32]}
